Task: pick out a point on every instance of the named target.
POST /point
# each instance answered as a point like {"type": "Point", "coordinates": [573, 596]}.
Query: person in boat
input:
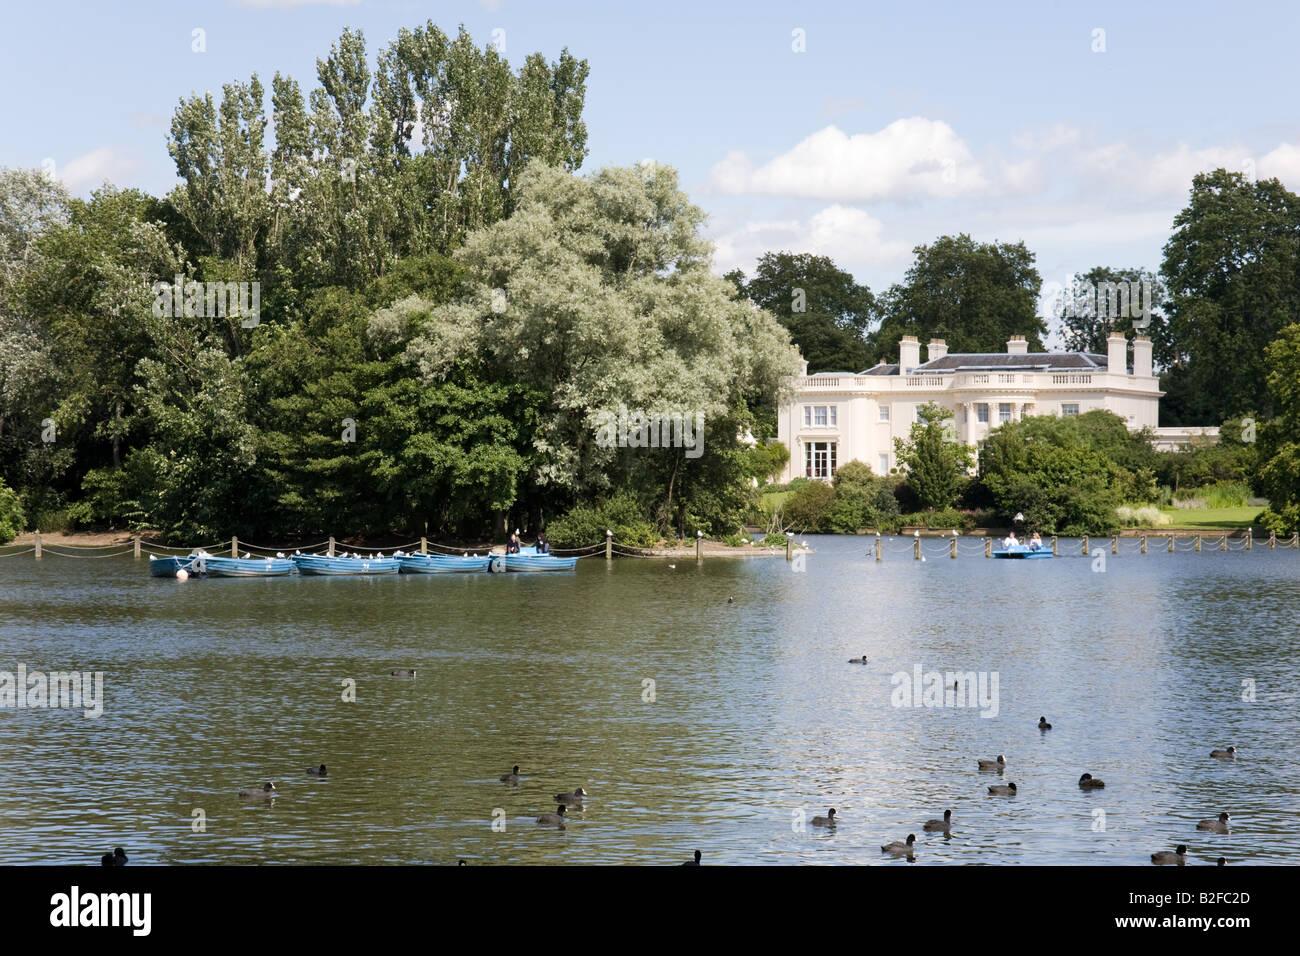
{"type": "Point", "coordinates": [1035, 542]}
{"type": "Point", "coordinates": [543, 546]}
{"type": "Point", "coordinates": [1010, 541]}
{"type": "Point", "coordinates": [512, 546]}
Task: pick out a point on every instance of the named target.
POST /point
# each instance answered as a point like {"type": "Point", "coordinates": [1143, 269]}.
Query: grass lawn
{"type": "Point", "coordinates": [1243, 517]}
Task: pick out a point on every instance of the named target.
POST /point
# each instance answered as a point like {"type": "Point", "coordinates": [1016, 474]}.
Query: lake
{"type": "Point", "coordinates": [754, 723]}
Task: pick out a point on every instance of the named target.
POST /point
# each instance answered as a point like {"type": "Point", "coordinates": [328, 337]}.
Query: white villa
{"type": "Point", "coordinates": [836, 417]}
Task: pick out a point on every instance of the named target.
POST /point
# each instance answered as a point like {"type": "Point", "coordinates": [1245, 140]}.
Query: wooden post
{"type": "Point", "coordinates": [1223, 545]}
{"type": "Point", "coordinates": [330, 552]}
{"type": "Point", "coordinates": [1198, 544]}
{"type": "Point", "coordinates": [1085, 545]}
{"type": "Point", "coordinates": [424, 545]}
{"type": "Point", "coordinates": [1114, 544]}
{"type": "Point", "coordinates": [1171, 544]}
{"type": "Point", "coordinates": [609, 547]}
{"type": "Point", "coordinates": [916, 547]}
{"type": "Point", "coordinates": [1295, 539]}
{"type": "Point", "coordinates": [38, 545]}
{"type": "Point", "coordinates": [1054, 551]}
{"type": "Point", "coordinates": [135, 540]}
{"type": "Point", "coordinates": [988, 547]}
{"type": "Point", "coordinates": [789, 549]}
{"type": "Point", "coordinates": [1250, 538]}
{"type": "Point", "coordinates": [1144, 544]}
{"type": "Point", "coordinates": [234, 547]}
{"type": "Point", "coordinates": [879, 547]}
{"type": "Point", "coordinates": [1272, 541]}
{"type": "Point", "coordinates": [699, 547]}
{"type": "Point", "coordinates": [952, 548]}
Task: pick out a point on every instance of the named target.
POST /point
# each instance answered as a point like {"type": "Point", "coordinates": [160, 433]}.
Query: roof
{"type": "Point", "coordinates": [966, 361]}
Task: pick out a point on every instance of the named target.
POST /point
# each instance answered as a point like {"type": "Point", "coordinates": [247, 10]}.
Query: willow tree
{"type": "Point", "coordinates": [596, 293]}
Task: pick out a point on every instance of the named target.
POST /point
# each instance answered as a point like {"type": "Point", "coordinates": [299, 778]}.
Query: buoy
{"type": "Point", "coordinates": [182, 575]}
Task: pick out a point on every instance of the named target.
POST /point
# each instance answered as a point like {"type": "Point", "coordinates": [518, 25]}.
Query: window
{"type": "Point", "coordinates": [963, 414]}
{"type": "Point", "coordinates": [819, 459]}
{"type": "Point", "coordinates": [982, 412]}
{"type": "Point", "coordinates": [1004, 412]}
{"type": "Point", "coordinates": [884, 464]}
{"type": "Point", "coordinates": [884, 413]}
{"type": "Point", "coordinates": [1071, 409]}
{"type": "Point", "coordinates": [819, 415]}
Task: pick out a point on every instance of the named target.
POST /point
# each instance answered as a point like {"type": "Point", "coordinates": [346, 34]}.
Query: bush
{"type": "Point", "coordinates": [585, 525]}
{"type": "Point", "coordinates": [735, 540]}
{"type": "Point", "coordinates": [940, 520]}
{"type": "Point", "coordinates": [1142, 516]}
{"type": "Point", "coordinates": [1222, 494]}
{"type": "Point", "coordinates": [775, 540]}
{"type": "Point", "coordinates": [12, 518]}
{"type": "Point", "coordinates": [808, 505]}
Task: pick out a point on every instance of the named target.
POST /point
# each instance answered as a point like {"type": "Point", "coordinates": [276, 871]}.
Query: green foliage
{"type": "Point", "coordinates": [766, 459]}
{"type": "Point", "coordinates": [935, 462]}
{"type": "Point", "coordinates": [825, 310]}
{"type": "Point", "coordinates": [586, 525]}
{"type": "Point", "coordinates": [973, 295]}
{"type": "Point", "coordinates": [774, 540]}
{"type": "Point", "coordinates": [1092, 307]}
{"type": "Point", "coordinates": [862, 500]}
{"type": "Point", "coordinates": [1232, 268]}
{"type": "Point", "coordinates": [940, 520]}
{"type": "Point", "coordinates": [1142, 516]}
{"type": "Point", "coordinates": [12, 518]}
{"type": "Point", "coordinates": [1053, 471]}
{"type": "Point", "coordinates": [1223, 494]}
{"type": "Point", "coordinates": [808, 505]}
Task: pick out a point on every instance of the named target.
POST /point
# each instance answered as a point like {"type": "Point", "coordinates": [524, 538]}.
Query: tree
{"type": "Point", "coordinates": [1104, 300]}
{"type": "Point", "coordinates": [827, 312]}
{"type": "Point", "coordinates": [1279, 439]}
{"type": "Point", "coordinates": [862, 499]}
{"type": "Point", "coordinates": [596, 294]}
{"type": "Point", "coordinates": [935, 462]}
{"type": "Point", "coordinates": [1232, 267]}
{"type": "Point", "coordinates": [974, 296]}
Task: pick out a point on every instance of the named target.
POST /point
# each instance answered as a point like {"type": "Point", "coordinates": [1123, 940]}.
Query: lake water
{"type": "Point", "coordinates": [756, 719]}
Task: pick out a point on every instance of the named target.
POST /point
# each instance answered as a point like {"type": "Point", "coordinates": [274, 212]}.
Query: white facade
{"type": "Point", "coordinates": [836, 417]}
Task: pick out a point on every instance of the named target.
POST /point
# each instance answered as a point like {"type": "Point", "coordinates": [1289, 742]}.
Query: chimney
{"type": "Point", "coordinates": [1142, 355]}
{"type": "Point", "coordinates": [938, 349]}
{"type": "Point", "coordinates": [909, 354]}
{"type": "Point", "coordinates": [1117, 354]}
{"type": "Point", "coordinates": [1017, 345]}
{"type": "Point", "coordinates": [803, 366]}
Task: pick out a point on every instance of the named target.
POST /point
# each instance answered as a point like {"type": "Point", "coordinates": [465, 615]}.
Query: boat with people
{"type": "Point", "coordinates": [346, 564]}
{"type": "Point", "coordinates": [1023, 551]}
{"type": "Point", "coordinates": [443, 563]}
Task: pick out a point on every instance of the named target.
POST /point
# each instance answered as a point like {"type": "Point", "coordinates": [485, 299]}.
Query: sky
{"type": "Point", "coordinates": [852, 130]}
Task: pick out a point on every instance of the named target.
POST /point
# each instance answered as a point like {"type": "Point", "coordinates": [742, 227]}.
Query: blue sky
{"type": "Point", "coordinates": [896, 124]}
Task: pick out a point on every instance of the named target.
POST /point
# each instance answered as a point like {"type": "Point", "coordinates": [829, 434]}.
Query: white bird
{"type": "Point", "coordinates": [247, 555]}
{"type": "Point", "coordinates": [279, 554]}
{"type": "Point", "coordinates": [671, 567]}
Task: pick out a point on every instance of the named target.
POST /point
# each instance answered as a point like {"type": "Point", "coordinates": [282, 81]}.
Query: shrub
{"type": "Point", "coordinates": [1142, 516]}
{"type": "Point", "coordinates": [12, 518]}
{"type": "Point", "coordinates": [735, 540]}
{"type": "Point", "coordinates": [808, 504]}
{"type": "Point", "coordinates": [940, 520]}
{"type": "Point", "coordinates": [586, 524]}
{"type": "Point", "coordinates": [775, 540]}
{"type": "Point", "coordinates": [1222, 494]}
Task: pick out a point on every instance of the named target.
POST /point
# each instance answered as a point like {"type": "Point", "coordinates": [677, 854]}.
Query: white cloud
{"type": "Point", "coordinates": [851, 237]}
{"type": "Point", "coordinates": [908, 159]}
{"type": "Point", "coordinates": [89, 171]}
{"type": "Point", "coordinates": [1282, 163]}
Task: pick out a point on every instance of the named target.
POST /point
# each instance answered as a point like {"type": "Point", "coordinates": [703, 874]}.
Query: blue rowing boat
{"type": "Point", "coordinates": [1023, 551]}
{"type": "Point", "coordinates": [443, 563]}
{"type": "Point", "coordinates": [166, 567]}
{"type": "Point", "coordinates": [244, 567]}
{"type": "Point", "coordinates": [322, 564]}
{"type": "Point", "coordinates": [524, 561]}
